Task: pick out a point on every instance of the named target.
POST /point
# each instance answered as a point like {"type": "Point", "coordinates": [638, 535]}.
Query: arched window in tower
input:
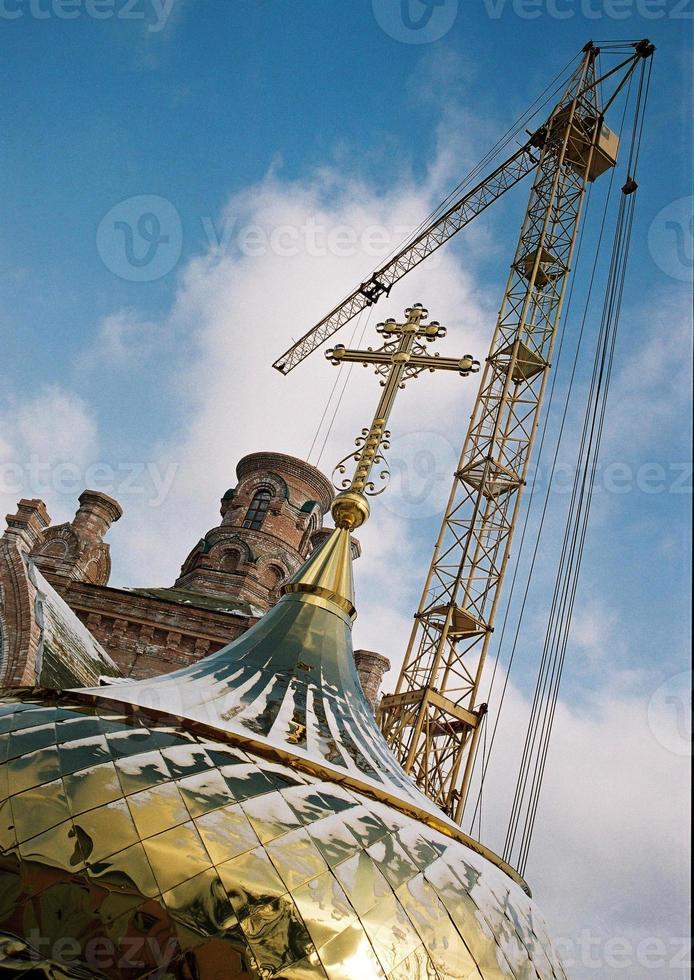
{"type": "Point", "coordinates": [258, 509]}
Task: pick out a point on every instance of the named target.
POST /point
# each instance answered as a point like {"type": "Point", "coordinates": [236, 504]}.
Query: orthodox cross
{"type": "Point", "coordinates": [403, 356]}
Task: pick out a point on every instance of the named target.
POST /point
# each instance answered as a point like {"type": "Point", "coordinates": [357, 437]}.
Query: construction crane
{"type": "Point", "coordinates": [433, 719]}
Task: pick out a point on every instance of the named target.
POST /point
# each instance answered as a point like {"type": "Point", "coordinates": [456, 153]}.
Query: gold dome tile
{"type": "Point", "coordinates": [362, 882]}
{"type": "Point", "coordinates": [176, 855]}
{"type": "Point", "coordinates": [28, 740]}
{"type": "Point", "coordinates": [296, 858]}
{"type": "Point", "coordinates": [390, 932]}
{"type": "Point", "coordinates": [140, 772]}
{"type": "Point", "coordinates": [204, 791]}
{"type": "Point", "coordinates": [34, 769]}
{"type": "Point", "coordinates": [105, 830]}
{"type": "Point", "coordinates": [226, 833]}
{"type": "Point", "coordinates": [92, 787]}
{"type": "Point", "coordinates": [270, 816]}
{"type": "Point", "coordinates": [251, 880]}
{"type": "Point", "coordinates": [91, 750]}
{"type": "Point", "coordinates": [350, 955]}
{"type": "Point", "coordinates": [325, 909]}
{"type": "Point", "coordinates": [157, 809]}
{"type": "Point", "coordinates": [58, 848]}
{"type": "Point", "coordinates": [129, 870]}
{"type": "Point", "coordinates": [202, 904]}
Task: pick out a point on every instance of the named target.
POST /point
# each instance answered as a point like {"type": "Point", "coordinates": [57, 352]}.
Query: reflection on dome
{"type": "Point", "coordinates": [135, 839]}
{"type": "Point", "coordinates": [243, 818]}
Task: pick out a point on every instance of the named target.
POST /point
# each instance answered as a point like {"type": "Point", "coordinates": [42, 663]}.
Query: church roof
{"type": "Point", "coordinates": [231, 605]}
{"type": "Point", "coordinates": [67, 652]}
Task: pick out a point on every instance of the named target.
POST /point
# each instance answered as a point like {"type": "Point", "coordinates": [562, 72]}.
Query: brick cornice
{"type": "Point", "coordinates": [85, 598]}
{"type": "Point", "coordinates": [291, 465]}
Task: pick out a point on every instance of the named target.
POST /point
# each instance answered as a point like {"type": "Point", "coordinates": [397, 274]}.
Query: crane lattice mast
{"type": "Point", "coordinates": [433, 719]}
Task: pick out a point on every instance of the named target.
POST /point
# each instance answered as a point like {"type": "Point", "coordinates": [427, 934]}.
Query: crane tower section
{"type": "Point", "coordinates": [432, 721]}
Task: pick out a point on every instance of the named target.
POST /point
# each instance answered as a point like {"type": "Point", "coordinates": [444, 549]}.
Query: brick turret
{"type": "Point", "coordinates": [269, 520]}
{"type": "Point", "coordinates": [28, 526]}
{"type": "Point", "coordinates": [371, 667]}
{"type": "Point", "coordinates": [76, 550]}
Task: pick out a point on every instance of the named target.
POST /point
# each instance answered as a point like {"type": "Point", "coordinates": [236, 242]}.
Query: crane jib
{"type": "Point", "coordinates": [459, 214]}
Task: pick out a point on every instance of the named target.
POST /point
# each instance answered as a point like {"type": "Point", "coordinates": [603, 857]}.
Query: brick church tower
{"type": "Point", "coordinates": [269, 520]}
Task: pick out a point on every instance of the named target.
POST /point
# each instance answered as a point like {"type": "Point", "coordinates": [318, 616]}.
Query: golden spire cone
{"type": "Point", "coordinates": [328, 573]}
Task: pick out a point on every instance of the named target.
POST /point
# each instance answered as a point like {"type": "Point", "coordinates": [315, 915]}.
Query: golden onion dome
{"type": "Point", "coordinates": [243, 817]}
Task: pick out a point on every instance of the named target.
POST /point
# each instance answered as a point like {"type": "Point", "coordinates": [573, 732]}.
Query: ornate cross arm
{"type": "Point", "coordinates": [403, 356]}
{"type": "Point", "coordinates": [420, 362]}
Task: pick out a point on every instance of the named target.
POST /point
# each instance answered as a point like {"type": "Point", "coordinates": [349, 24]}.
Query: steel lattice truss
{"type": "Point", "coordinates": [507, 175]}
{"type": "Point", "coordinates": [432, 721]}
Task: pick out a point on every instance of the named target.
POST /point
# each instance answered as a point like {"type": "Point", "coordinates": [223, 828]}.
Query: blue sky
{"type": "Point", "coordinates": [219, 116]}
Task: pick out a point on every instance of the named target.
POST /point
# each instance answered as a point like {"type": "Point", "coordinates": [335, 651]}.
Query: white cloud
{"type": "Point", "coordinates": [652, 387]}
{"type": "Point", "coordinates": [595, 634]}
{"type": "Point", "coordinates": [50, 442]}
{"type": "Point", "coordinates": [240, 311]}
{"type": "Point", "coordinates": [123, 339]}
{"type": "Point", "coordinates": [56, 425]}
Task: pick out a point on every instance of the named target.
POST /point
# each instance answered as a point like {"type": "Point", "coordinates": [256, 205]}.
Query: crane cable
{"type": "Point", "coordinates": [336, 382]}
{"type": "Point", "coordinates": [366, 321]}
{"type": "Point", "coordinates": [541, 722]}
{"type": "Point", "coordinates": [572, 553]}
{"type": "Point", "coordinates": [611, 317]}
{"type": "Point", "coordinates": [562, 595]}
